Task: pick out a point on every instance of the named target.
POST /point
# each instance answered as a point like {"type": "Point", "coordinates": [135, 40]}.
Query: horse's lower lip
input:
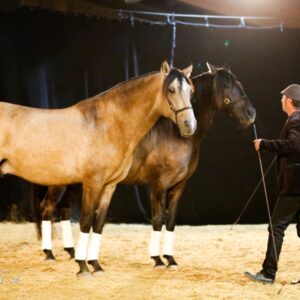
{"type": "Point", "coordinates": [187, 134]}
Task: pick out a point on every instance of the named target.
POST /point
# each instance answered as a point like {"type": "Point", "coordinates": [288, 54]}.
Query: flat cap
{"type": "Point", "coordinates": [292, 91]}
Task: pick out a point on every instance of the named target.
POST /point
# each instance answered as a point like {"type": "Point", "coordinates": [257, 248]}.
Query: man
{"type": "Point", "coordinates": [287, 207]}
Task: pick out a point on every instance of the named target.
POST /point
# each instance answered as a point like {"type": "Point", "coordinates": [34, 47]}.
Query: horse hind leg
{"type": "Point", "coordinates": [65, 209]}
{"type": "Point", "coordinates": [158, 202]}
{"type": "Point", "coordinates": [47, 207]}
{"type": "Point", "coordinates": [173, 197]}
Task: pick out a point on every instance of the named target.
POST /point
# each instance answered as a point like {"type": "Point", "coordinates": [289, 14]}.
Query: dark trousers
{"type": "Point", "coordinates": [287, 209]}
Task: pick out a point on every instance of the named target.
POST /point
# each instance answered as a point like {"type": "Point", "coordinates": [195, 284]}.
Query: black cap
{"type": "Point", "coordinates": [292, 91]}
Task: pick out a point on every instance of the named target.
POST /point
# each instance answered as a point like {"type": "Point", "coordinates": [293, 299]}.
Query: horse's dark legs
{"type": "Point", "coordinates": [90, 196]}
{"type": "Point", "coordinates": [47, 207]}
{"type": "Point", "coordinates": [99, 220]}
{"type": "Point", "coordinates": [158, 203]}
{"type": "Point", "coordinates": [173, 196]}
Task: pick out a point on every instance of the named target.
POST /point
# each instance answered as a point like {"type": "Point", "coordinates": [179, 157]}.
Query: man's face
{"type": "Point", "coordinates": [284, 103]}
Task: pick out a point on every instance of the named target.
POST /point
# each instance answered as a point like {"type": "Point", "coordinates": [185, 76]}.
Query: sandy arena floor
{"type": "Point", "coordinates": [212, 260]}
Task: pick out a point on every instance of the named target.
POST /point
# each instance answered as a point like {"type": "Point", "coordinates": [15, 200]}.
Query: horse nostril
{"type": "Point", "coordinates": [186, 123]}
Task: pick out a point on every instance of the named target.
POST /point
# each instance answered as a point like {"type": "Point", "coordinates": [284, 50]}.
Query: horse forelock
{"type": "Point", "coordinates": [175, 74]}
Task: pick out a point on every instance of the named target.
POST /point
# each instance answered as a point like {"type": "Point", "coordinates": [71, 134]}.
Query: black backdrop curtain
{"type": "Point", "coordinates": [52, 60]}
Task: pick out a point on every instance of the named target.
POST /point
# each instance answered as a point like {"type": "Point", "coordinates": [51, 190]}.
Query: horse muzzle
{"type": "Point", "coordinates": [186, 122]}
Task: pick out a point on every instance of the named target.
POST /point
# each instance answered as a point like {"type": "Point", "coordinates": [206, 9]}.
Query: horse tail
{"type": "Point", "coordinates": [36, 200]}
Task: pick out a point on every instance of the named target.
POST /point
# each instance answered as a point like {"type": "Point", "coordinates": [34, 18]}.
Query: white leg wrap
{"type": "Point", "coordinates": [168, 243]}
{"type": "Point", "coordinates": [46, 235]}
{"type": "Point", "coordinates": [67, 234]}
{"type": "Point", "coordinates": [94, 246]}
{"type": "Point", "coordinates": [82, 244]}
{"type": "Point", "coordinates": [154, 249]}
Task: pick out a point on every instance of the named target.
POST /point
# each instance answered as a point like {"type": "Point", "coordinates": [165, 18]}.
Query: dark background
{"type": "Point", "coordinates": [51, 59]}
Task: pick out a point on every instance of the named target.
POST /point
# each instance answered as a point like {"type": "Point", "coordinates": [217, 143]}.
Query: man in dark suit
{"type": "Point", "coordinates": [287, 206]}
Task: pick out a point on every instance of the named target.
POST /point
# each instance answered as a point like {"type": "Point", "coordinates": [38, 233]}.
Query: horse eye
{"type": "Point", "coordinates": [226, 101]}
{"type": "Point", "coordinates": [172, 90]}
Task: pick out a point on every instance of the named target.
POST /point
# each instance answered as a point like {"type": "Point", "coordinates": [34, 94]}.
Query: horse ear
{"type": "Point", "coordinates": [188, 71]}
{"type": "Point", "coordinates": [226, 67]}
{"type": "Point", "coordinates": [211, 68]}
{"type": "Point", "coordinates": [165, 68]}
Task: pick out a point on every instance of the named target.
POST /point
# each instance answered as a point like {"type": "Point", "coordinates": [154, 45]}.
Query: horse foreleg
{"type": "Point", "coordinates": [47, 208]}
{"type": "Point", "coordinates": [100, 216]}
{"type": "Point", "coordinates": [90, 196]}
{"type": "Point", "coordinates": [158, 203]}
{"type": "Point", "coordinates": [173, 196]}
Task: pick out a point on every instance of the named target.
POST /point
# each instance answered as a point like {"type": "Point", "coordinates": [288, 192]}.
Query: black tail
{"type": "Point", "coordinates": [37, 195]}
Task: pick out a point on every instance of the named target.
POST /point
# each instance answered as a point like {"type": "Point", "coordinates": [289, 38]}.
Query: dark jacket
{"type": "Point", "coordinates": [287, 148]}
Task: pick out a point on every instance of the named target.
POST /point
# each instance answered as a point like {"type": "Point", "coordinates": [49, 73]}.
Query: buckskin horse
{"type": "Point", "coordinates": [61, 146]}
{"type": "Point", "coordinates": [165, 161]}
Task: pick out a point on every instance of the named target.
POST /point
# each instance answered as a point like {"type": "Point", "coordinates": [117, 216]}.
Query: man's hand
{"type": "Point", "coordinates": [257, 144]}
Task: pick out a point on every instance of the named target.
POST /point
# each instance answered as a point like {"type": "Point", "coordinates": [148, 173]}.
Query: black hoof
{"type": "Point", "coordinates": [96, 266]}
{"type": "Point", "coordinates": [83, 268]}
{"type": "Point", "coordinates": [49, 254]}
{"type": "Point", "coordinates": [158, 263]}
{"type": "Point", "coordinates": [71, 252]}
{"type": "Point", "coordinates": [172, 264]}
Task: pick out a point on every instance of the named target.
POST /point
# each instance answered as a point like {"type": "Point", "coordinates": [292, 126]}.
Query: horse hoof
{"type": "Point", "coordinates": [84, 274]}
{"type": "Point", "coordinates": [49, 255]}
{"type": "Point", "coordinates": [70, 251]}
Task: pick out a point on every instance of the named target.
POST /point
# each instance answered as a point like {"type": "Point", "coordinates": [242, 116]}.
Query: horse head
{"type": "Point", "coordinates": [230, 95]}
{"type": "Point", "coordinates": [177, 89]}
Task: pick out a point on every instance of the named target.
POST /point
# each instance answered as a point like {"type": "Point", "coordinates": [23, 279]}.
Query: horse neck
{"type": "Point", "coordinates": [204, 106]}
{"type": "Point", "coordinates": [137, 106]}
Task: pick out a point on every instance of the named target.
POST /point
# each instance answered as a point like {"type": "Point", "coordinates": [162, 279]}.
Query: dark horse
{"type": "Point", "coordinates": [61, 146]}
{"type": "Point", "coordinates": [165, 161]}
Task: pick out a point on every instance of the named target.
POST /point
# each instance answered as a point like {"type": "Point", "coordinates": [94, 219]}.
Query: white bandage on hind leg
{"type": "Point", "coordinates": [168, 243]}
{"type": "Point", "coordinates": [46, 235]}
{"type": "Point", "coordinates": [154, 249]}
{"type": "Point", "coordinates": [94, 246]}
{"type": "Point", "coordinates": [81, 247]}
{"type": "Point", "coordinates": [67, 234]}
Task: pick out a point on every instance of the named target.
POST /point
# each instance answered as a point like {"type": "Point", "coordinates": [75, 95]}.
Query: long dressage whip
{"type": "Point", "coordinates": [266, 194]}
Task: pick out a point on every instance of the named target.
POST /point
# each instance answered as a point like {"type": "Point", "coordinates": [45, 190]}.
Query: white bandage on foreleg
{"type": "Point", "coordinates": [168, 243]}
{"type": "Point", "coordinates": [67, 234]}
{"type": "Point", "coordinates": [154, 249]}
{"type": "Point", "coordinates": [81, 247]}
{"type": "Point", "coordinates": [94, 246]}
{"type": "Point", "coordinates": [46, 235]}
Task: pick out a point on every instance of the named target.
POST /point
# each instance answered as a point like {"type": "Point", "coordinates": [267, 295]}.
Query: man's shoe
{"type": "Point", "coordinates": [259, 277]}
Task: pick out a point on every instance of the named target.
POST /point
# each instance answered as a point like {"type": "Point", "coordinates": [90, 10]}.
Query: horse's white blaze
{"type": "Point", "coordinates": [186, 88]}
{"type": "Point", "coordinates": [46, 235]}
{"type": "Point", "coordinates": [154, 249]}
{"type": "Point", "coordinates": [94, 246]}
{"type": "Point", "coordinates": [67, 234]}
{"type": "Point", "coordinates": [82, 245]}
{"type": "Point", "coordinates": [168, 243]}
